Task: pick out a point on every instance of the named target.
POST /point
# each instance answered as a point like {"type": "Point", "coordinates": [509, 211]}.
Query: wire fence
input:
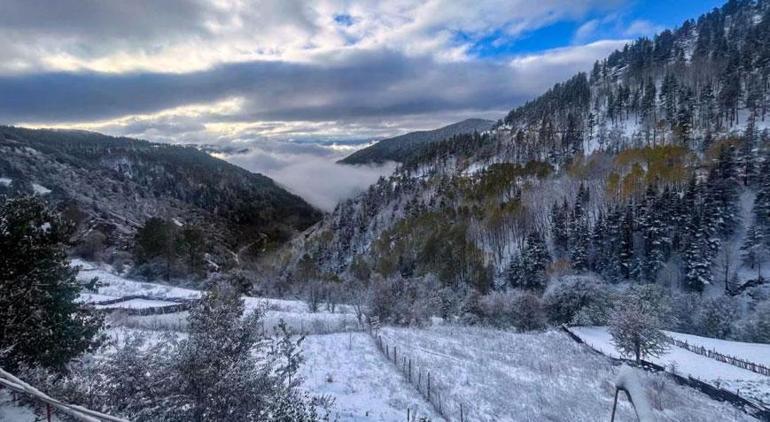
{"type": "Point", "coordinates": [430, 388]}
{"type": "Point", "coordinates": [16, 385]}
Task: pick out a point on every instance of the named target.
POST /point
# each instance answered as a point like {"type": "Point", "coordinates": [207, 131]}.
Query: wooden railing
{"type": "Point", "coordinates": [14, 384]}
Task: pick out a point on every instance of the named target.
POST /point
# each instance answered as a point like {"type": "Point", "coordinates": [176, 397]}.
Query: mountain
{"type": "Point", "coordinates": [644, 169]}
{"type": "Point", "coordinates": [401, 147]}
{"type": "Point", "coordinates": [114, 184]}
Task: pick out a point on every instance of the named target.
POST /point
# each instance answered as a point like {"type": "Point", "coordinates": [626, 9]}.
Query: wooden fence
{"type": "Point", "coordinates": [713, 354]}
{"type": "Point", "coordinates": [425, 382]}
{"type": "Point", "coordinates": [749, 406]}
{"type": "Point", "coordinates": [16, 385]}
{"type": "Point", "coordinates": [179, 305]}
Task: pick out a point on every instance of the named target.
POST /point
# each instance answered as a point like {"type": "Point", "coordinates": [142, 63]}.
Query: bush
{"type": "Point", "coordinates": [403, 301]}
{"type": "Point", "coordinates": [517, 308]}
{"type": "Point", "coordinates": [224, 370]}
{"type": "Point", "coordinates": [715, 317]}
{"type": "Point", "coordinates": [569, 295]}
{"type": "Point", "coordinates": [755, 327]}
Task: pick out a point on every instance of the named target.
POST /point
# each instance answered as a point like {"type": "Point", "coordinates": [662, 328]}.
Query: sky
{"type": "Point", "coordinates": [287, 87]}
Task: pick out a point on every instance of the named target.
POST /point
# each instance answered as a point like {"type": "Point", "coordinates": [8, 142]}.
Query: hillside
{"type": "Point", "coordinates": [652, 168]}
{"type": "Point", "coordinates": [114, 184]}
{"type": "Point", "coordinates": [401, 147]}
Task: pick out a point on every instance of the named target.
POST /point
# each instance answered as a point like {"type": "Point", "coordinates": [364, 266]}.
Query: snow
{"type": "Point", "coordinates": [506, 376]}
{"type": "Point", "coordinates": [627, 379]}
{"type": "Point", "coordinates": [5, 181]}
{"type": "Point", "coordinates": [16, 412]}
{"type": "Point", "coordinates": [294, 313]}
{"type": "Point", "coordinates": [40, 189]}
{"type": "Point", "coordinates": [752, 352]}
{"type": "Point", "coordinates": [731, 378]}
{"type": "Point", "coordinates": [349, 368]}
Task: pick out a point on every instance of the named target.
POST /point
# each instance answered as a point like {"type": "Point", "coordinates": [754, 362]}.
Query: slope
{"type": "Point", "coordinates": [401, 147]}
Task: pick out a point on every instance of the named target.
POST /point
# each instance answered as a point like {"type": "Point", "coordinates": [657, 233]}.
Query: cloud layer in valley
{"type": "Point", "coordinates": [278, 75]}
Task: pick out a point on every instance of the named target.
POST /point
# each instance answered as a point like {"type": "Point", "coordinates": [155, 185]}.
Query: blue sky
{"type": "Point", "coordinates": [609, 24]}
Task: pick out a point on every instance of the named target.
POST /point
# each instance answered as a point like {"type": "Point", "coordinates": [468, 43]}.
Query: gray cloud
{"type": "Point", "coordinates": [363, 84]}
{"type": "Point", "coordinates": [309, 171]}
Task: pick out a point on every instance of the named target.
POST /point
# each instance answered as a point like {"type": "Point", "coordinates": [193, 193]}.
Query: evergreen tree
{"type": "Point", "coordinates": [40, 321]}
{"type": "Point", "coordinates": [559, 227]}
{"type": "Point", "coordinates": [578, 231]}
{"type": "Point", "coordinates": [528, 270]}
{"type": "Point", "coordinates": [697, 265]}
{"type": "Point", "coordinates": [626, 243]}
{"type": "Point", "coordinates": [755, 250]}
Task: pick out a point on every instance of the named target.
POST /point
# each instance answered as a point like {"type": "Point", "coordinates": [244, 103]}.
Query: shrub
{"type": "Point", "coordinates": [567, 296]}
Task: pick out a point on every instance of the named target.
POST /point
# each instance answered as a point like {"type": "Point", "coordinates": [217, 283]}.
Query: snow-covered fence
{"type": "Point", "coordinates": [153, 310]}
{"type": "Point", "coordinates": [425, 383]}
{"type": "Point", "coordinates": [756, 409]}
{"type": "Point", "coordinates": [9, 381]}
{"type": "Point", "coordinates": [143, 297]}
{"type": "Point", "coordinates": [713, 354]}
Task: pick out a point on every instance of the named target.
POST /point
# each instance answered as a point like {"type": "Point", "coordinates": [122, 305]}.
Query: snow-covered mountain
{"type": "Point", "coordinates": [666, 135]}
{"type": "Point", "coordinates": [112, 185]}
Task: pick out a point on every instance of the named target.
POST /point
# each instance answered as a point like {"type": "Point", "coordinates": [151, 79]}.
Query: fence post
{"type": "Point", "coordinates": [410, 370]}
{"type": "Point", "coordinates": [462, 415]}
{"type": "Point", "coordinates": [395, 356]}
{"type": "Point", "coordinates": [408, 414]}
{"type": "Point", "coordinates": [428, 385]}
{"type": "Point", "coordinates": [48, 411]}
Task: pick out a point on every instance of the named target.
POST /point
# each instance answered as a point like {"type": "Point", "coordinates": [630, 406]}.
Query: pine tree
{"type": "Point", "coordinates": [626, 243]}
{"type": "Point", "coordinates": [559, 230]}
{"type": "Point", "coordinates": [755, 250]}
{"type": "Point", "coordinates": [697, 265]}
{"type": "Point", "coordinates": [578, 231]}
{"type": "Point", "coordinates": [528, 270]}
{"type": "Point", "coordinates": [40, 321]}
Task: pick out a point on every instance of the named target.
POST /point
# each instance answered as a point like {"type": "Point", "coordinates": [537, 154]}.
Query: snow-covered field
{"type": "Point", "coordinates": [505, 376]}
{"type": "Point", "coordinates": [683, 362]}
{"type": "Point", "coordinates": [752, 352]}
{"type": "Point", "coordinates": [294, 313]}
{"type": "Point", "coordinates": [349, 368]}
{"type": "Point", "coordinates": [496, 375]}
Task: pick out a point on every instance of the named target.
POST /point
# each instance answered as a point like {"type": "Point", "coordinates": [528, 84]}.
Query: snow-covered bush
{"type": "Point", "coordinates": [567, 296]}
{"type": "Point", "coordinates": [637, 320]}
{"type": "Point", "coordinates": [224, 370]}
{"type": "Point", "coordinates": [403, 301]}
{"type": "Point", "coordinates": [715, 317]}
{"type": "Point", "coordinates": [756, 326]}
{"type": "Point", "coordinates": [518, 308]}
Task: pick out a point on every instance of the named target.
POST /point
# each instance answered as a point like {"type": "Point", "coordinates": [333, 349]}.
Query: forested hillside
{"type": "Point", "coordinates": [111, 186]}
{"type": "Point", "coordinates": [650, 169]}
{"type": "Point", "coordinates": [401, 148]}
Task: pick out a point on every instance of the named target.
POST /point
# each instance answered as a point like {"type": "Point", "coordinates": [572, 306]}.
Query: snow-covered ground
{"type": "Point", "coordinates": [683, 362]}
{"type": "Point", "coordinates": [496, 375]}
{"type": "Point", "coordinates": [505, 376]}
{"type": "Point", "coordinates": [349, 368]}
{"type": "Point", "coordinates": [294, 313]}
{"type": "Point", "coordinates": [752, 352]}
{"type": "Point", "coordinates": [14, 412]}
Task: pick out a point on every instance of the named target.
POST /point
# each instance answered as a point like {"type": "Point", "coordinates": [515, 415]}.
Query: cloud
{"type": "Point", "coordinates": [188, 35]}
{"type": "Point", "coordinates": [295, 83]}
{"type": "Point", "coordinates": [309, 171]}
{"type": "Point", "coordinates": [586, 30]}
{"type": "Point", "coordinates": [642, 28]}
